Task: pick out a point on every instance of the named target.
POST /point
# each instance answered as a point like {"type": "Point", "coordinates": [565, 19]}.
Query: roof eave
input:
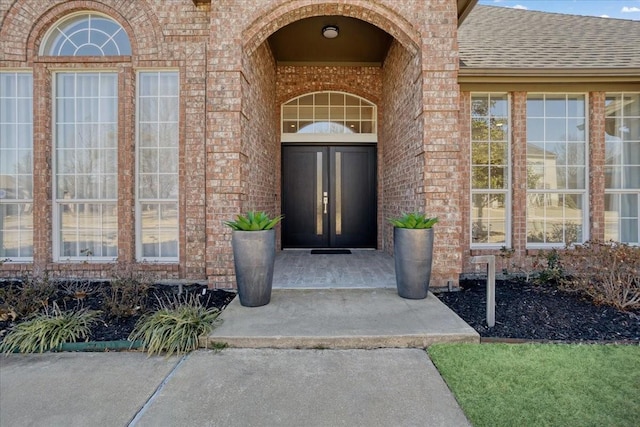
{"type": "Point", "coordinates": [464, 8]}
{"type": "Point", "coordinates": [546, 74]}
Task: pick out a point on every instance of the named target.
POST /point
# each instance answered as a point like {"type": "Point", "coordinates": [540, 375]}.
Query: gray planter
{"type": "Point", "coordinates": [413, 254]}
{"type": "Point", "coordinates": [254, 254]}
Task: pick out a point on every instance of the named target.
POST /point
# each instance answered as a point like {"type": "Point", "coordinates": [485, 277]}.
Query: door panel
{"type": "Point", "coordinates": [303, 176]}
{"type": "Point", "coordinates": [353, 184]}
{"type": "Point", "coordinates": [346, 177]}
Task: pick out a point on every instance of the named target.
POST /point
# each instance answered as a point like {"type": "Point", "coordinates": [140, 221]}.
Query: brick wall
{"type": "Point", "coordinates": [401, 135]}
{"type": "Point", "coordinates": [231, 90]}
{"type": "Point", "coordinates": [162, 35]}
{"type": "Point", "coordinates": [260, 132]}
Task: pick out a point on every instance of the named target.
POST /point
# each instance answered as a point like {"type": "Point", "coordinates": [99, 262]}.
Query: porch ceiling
{"type": "Point", "coordinates": [358, 42]}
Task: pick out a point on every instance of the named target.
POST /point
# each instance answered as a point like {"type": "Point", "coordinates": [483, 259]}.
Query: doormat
{"type": "Point", "coordinates": [330, 251]}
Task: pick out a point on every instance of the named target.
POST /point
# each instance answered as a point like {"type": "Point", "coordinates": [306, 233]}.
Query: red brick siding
{"type": "Point", "coordinates": [596, 164]}
{"type": "Point", "coordinates": [231, 91]}
{"type": "Point", "coordinates": [401, 135]}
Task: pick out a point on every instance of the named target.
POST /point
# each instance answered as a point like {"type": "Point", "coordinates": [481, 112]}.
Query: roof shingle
{"type": "Point", "coordinates": [499, 37]}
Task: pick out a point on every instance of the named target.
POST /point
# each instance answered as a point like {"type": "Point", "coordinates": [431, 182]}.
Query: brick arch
{"type": "Point", "coordinates": [139, 22]}
{"type": "Point", "coordinates": [381, 16]}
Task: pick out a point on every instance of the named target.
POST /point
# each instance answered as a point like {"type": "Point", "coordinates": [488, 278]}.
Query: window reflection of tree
{"type": "Point", "coordinates": [489, 158]}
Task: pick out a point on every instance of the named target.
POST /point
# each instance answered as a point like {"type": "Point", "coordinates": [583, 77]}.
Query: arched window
{"type": "Point", "coordinates": [86, 34]}
{"type": "Point", "coordinates": [323, 116]}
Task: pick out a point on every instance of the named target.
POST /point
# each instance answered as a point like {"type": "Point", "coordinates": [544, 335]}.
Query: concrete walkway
{"type": "Point", "coordinates": [271, 383]}
{"type": "Point", "coordinates": [233, 387]}
{"type": "Point", "coordinates": [340, 318]}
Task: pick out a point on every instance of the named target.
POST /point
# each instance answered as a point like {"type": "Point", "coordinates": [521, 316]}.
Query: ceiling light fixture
{"type": "Point", "coordinates": [330, 31]}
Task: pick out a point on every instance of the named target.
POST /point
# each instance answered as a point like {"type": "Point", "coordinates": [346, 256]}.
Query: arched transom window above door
{"type": "Point", "coordinates": [329, 117]}
{"type": "Point", "coordinates": [86, 34]}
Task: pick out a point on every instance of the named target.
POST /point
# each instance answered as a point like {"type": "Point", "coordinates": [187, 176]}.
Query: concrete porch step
{"type": "Point", "coordinates": [340, 319]}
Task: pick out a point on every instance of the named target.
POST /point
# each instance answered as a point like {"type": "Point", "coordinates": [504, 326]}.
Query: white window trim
{"type": "Point", "coordinates": [52, 29]}
{"type": "Point", "coordinates": [21, 259]}
{"type": "Point", "coordinates": [585, 193]}
{"type": "Point", "coordinates": [354, 138]}
{"type": "Point", "coordinates": [137, 202]}
{"type": "Point", "coordinates": [57, 235]}
{"type": "Point", "coordinates": [507, 192]}
{"type": "Point", "coordinates": [622, 191]}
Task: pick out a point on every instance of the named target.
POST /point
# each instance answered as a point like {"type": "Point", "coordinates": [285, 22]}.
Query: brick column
{"type": "Point", "coordinates": [596, 165]}
{"type": "Point", "coordinates": [519, 173]}
{"type": "Point", "coordinates": [442, 186]}
{"type": "Point", "coordinates": [464, 121]}
{"type": "Point", "coordinates": [126, 165]}
{"type": "Point", "coordinates": [193, 87]}
{"type": "Point", "coordinates": [42, 168]}
{"type": "Point", "coordinates": [225, 182]}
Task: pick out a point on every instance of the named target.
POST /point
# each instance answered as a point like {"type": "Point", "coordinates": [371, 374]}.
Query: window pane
{"type": "Point", "coordinates": [631, 104]}
{"type": "Point", "coordinates": [86, 165]}
{"type": "Point", "coordinates": [490, 169]}
{"type": "Point", "coordinates": [328, 113]}
{"type": "Point", "coordinates": [555, 106]}
{"type": "Point", "coordinates": [535, 130]}
{"type": "Point", "coordinates": [556, 164]}
{"type": "Point", "coordinates": [622, 157]}
{"type": "Point", "coordinates": [159, 226]}
{"type": "Point", "coordinates": [621, 217]}
{"type": "Point", "coordinates": [16, 166]}
{"type": "Point", "coordinates": [87, 35]}
{"type": "Point", "coordinates": [157, 157]}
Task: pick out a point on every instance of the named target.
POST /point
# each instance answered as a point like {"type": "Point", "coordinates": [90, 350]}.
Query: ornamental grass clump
{"type": "Point", "coordinates": [254, 221]}
{"type": "Point", "coordinates": [175, 327]}
{"type": "Point", "coordinates": [414, 220]}
{"type": "Point", "coordinates": [48, 330]}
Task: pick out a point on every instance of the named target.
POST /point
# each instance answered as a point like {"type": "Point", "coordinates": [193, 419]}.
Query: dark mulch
{"type": "Point", "coordinates": [115, 328]}
{"type": "Point", "coordinates": [525, 310]}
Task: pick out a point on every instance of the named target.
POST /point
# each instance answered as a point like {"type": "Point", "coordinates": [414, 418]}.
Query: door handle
{"type": "Point", "coordinates": [325, 201]}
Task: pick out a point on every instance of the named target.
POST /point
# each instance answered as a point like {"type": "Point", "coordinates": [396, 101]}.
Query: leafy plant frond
{"type": "Point", "coordinates": [175, 327]}
{"type": "Point", "coordinates": [48, 330]}
{"type": "Point", "coordinates": [254, 221]}
{"type": "Point", "coordinates": [415, 220]}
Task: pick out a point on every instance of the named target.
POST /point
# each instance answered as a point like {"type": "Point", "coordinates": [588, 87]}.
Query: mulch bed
{"type": "Point", "coordinates": [524, 311]}
{"type": "Point", "coordinates": [112, 328]}
{"type": "Point", "coordinates": [529, 311]}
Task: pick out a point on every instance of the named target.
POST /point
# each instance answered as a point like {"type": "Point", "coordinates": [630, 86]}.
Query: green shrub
{"type": "Point", "coordinates": [176, 326]}
{"type": "Point", "coordinates": [48, 330]}
{"type": "Point", "coordinates": [414, 220]}
{"type": "Point", "coordinates": [549, 266]}
{"type": "Point", "coordinates": [608, 272]}
{"type": "Point", "coordinates": [254, 221]}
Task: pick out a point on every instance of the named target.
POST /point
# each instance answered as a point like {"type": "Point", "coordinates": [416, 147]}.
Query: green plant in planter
{"type": "Point", "coordinates": [254, 253]}
{"type": "Point", "coordinates": [414, 220]}
{"type": "Point", "coordinates": [413, 253]}
{"type": "Point", "coordinates": [254, 221]}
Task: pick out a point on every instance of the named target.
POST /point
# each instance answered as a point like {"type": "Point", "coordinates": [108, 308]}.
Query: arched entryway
{"type": "Point", "coordinates": [329, 168]}
{"type": "Point", "coordinates": [410, 77]}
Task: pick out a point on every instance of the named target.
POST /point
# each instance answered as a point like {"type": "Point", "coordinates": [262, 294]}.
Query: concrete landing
{"type": "Point", "coordinates": [340, 319]}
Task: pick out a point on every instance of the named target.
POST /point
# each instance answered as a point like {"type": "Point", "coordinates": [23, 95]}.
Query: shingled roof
{"type": "Point", "coordinates": [505, 38]}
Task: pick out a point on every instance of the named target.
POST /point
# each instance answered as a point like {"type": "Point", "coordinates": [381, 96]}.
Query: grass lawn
{"type": "Point", "coordinates": [543, 384]}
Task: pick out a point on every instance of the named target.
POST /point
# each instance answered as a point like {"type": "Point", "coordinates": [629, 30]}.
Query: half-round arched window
{"type": "Point", "coordinates": [86, 34]}
{"type": "Point", "coordinates": [329, 116]}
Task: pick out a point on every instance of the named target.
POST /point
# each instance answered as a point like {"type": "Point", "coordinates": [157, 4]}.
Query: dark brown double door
{"type": "Point", "coordinates": [329, 196]}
